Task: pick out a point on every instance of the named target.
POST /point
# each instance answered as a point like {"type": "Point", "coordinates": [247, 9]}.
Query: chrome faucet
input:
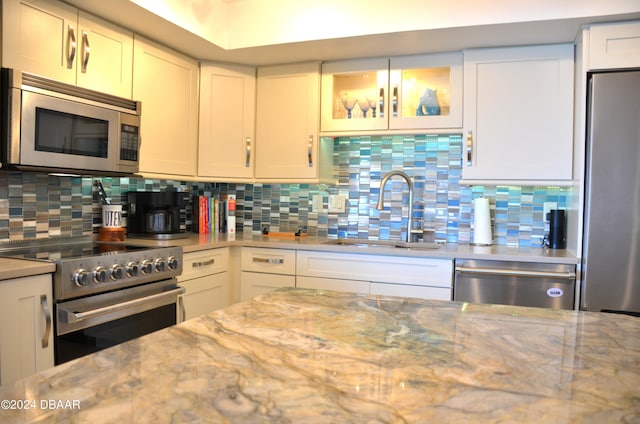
{"type": "Point", "coordinates": [380, 206]}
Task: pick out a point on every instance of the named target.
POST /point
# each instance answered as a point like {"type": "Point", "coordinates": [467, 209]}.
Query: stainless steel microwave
{"type": "Point", "coordinates": [54, 127]}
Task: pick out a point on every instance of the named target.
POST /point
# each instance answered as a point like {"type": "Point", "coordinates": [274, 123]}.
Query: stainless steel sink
{"type": "Point", "coordinates": [384, 243]}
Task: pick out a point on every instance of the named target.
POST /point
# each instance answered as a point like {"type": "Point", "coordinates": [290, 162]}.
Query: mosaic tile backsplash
{"type": "Point", "coordinates": [34, 205]}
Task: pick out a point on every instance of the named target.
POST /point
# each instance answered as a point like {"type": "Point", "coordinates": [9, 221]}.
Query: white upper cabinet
{"type": "Point", "coordinates": [614, 45]}
{"type": "Point", "coordinates": [288, 148]}
{"type": "Point", "coordinates": [166, 83]}
{"type": "Point", "coordinates": [227, 122]}
{"type": "Point", "coordinates": [57, 41]}
{"type": "Point", "coordinates": [410, 92]}
{"type": "Point", "coordinates": [518, 115]}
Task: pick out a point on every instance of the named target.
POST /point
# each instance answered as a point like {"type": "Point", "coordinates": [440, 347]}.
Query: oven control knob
{"type": "Point", "coordinates": [117, 272]}
{"type": "Point", "coordinates": [100, 274]}
{"type": "Point", "coordinates": [133, 269]}
{"type": "Point", "coordinates": [172, 262]}
{"type": "Point", "coordinates": [146, 267]}
{"type": "Point", "coordinates": [81, 277]}
{"type": "Point", "coordinates": [160, 265]}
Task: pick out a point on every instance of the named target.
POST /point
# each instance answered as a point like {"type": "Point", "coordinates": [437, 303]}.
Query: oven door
{"type": "Point", "coordinates": [93, 323]}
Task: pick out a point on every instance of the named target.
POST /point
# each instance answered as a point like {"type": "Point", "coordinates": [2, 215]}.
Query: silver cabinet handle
{"type": "Point", "coordinates": [86, 49]}
{"type": "Point", "coordinates": [247, 163]}
{"type": "Point", "coordinates": [516, 273]}
{"type": "Point", "coordinates": [469, 148]}
{"type": "Point", "coordinates": [81, 316]}
{"type": "Point", "coordinates": [310, 151]}
{"type": "Point", "coordinates": [71, 46]}
{"type": "Point", "coordinates": [183, 310]}
{"type": "Point", "coordinates": [395, 101]}
{"type": "Point", "coordinates": [47, 317]}
{"type": "Point", "coordinates": [268, 261]}
{"type": "Point", "coordinates": [381, 103]}
{"type": "Point", "coordinates": [203, 263]}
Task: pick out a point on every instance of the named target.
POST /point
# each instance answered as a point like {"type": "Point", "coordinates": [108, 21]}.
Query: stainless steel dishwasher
{"type": "Point", "coordinates": [515, 283]}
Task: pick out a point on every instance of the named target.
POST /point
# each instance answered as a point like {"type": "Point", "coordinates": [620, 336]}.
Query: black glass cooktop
{"type": "Point", "coordinates": [48, 251]}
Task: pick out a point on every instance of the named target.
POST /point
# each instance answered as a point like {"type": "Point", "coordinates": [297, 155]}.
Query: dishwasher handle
{"type": "Point", "coordinates": [516, 273]}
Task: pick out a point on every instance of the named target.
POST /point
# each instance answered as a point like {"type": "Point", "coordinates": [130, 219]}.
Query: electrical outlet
{"type": "Point", "coordinates": [546, 208]}
{"type": "Point", "coordinates": [337, 203]}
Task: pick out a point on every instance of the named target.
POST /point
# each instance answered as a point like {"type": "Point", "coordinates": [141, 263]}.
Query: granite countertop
{"type": "Point", "coordinates": [294, 356]}
{"type": "Point", "coordinates": [17, 268]}
{"type": "Point", "coordinates": [197, 242]}
{"type": "Point", "coordinates": [13, 268]}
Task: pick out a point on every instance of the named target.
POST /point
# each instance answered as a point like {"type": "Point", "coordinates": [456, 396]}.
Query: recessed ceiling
{"type": "Point", "coordinates": [378, 42]}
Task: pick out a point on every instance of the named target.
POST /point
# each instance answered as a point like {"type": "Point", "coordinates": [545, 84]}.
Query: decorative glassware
{"type": "Point", "coordinates": [364, 106]}
{"type": "Point", "coordinates": [348, 103]}
{"type": "Point", "coordinates": [373, 105]}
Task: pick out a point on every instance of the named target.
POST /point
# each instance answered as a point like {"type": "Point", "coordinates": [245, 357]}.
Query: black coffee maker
{"type": "Point", "coordinates": [557, 238]}
{"type": "Point", "coordinates": [160, 215]}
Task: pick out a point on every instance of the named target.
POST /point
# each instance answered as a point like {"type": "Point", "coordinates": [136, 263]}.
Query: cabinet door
{"type": "Point", "coordinates": [203, 295]}
{"type": "Point", "coordinates": [518, 113]}
{"type": "Point", "coordinates": [336, 284]}
{"type": "Point", "coordinates": [227, 122]}
{"type": "Point", "coordinates": [38, 37]}
{"type": "Point", "coordinates": [288, 148]}
{"type": "Point", "coordinates": [253, 284]}
{"type": "Point", "coordinates": [26, 327]}
{"type": "Point", "coordinates": [355, 95]}
{"type": "Point", "coordinates": [167, 85]}
{"type": "Point", "coordinates": [427, 90]}
{"type": "Point", "coordinates": [105, 56]}
{"type": "Point", "coordinates": [404, 290]}
{"type": "Point", "coordinates": [614, 45]}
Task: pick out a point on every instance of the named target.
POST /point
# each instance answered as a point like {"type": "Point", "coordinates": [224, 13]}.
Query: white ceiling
{"type": "Point", "coordinates": [260, 32]}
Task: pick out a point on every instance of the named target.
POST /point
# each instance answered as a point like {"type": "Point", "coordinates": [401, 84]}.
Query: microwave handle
{"type": "Point", "coordinates": [71, 46]}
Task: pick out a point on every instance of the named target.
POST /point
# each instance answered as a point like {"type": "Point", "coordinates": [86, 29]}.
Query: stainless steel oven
{"type": "Point", "coordinates": [107, 293]}
{"type": "Point", "coordinates": [93, 323]}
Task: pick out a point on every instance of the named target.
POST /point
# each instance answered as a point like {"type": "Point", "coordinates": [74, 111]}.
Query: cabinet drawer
{"type": "Point", "coordinates": [206, 262]}
{"type": "Point", "coordinates": [379, 268]}
{"type": "Point", "coordinates": [614, 45]}
{"type": "Point", "coordinates": [272, 261]}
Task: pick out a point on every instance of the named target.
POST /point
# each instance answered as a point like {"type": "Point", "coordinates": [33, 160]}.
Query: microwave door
{"type": "Point", "coordinates": [58, 133]}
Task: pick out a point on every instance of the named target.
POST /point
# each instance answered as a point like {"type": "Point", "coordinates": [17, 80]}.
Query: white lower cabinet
{"type": "Point", "coordinates": [336, 284]}
{"type": "Point", "coordinates": [26, 327]}
{"type": "Point", "coordinates": [425, 278]}
{"type": "Point", "coordinates": [264, 270]}
{"type": "Point", "coordinates": [205, 278]}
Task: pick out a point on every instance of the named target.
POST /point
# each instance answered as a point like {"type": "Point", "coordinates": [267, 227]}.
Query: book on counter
{"type": "Point", "coordinates": [214, 214]}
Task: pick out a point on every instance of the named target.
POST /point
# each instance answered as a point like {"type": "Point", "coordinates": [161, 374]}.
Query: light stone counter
{"type": "Point", "coordinates": [16, 268]}
{"type": "Point", "coordinates": [196, 242]}
{"type": "Point", "coordinates": [303, 356]}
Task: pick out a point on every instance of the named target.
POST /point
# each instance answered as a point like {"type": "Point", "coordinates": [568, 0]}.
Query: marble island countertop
{"type": "Point", "coordinates": [295, 356]}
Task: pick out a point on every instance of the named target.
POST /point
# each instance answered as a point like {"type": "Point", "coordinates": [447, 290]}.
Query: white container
{"type": "Point", "coordinates": [111, 216]}
{"type": "Point", "coordinates": [482, 222]}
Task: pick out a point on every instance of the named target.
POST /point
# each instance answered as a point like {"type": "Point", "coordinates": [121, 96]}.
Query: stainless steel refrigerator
{"type": "Point", "coordinates": [611, 254]}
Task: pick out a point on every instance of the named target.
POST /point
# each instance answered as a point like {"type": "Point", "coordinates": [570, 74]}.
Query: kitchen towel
{"type": "Point", "coordinates": [481, 222]}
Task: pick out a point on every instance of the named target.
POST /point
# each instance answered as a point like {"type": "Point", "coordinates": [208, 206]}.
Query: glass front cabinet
{"type": "Point", "coordinates": [409, 92]}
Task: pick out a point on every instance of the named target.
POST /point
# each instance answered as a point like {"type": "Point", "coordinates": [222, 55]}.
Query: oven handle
{"type": "Point", "coordinates": [515, 273]}
{"type": "Point", "coordinates": [81, 316]}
